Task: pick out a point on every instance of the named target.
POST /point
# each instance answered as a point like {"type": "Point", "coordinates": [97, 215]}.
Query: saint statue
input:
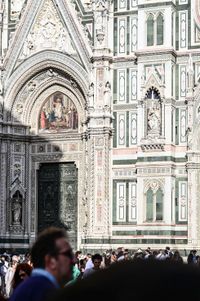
{"type": "Point", "coordinates": [17, 210]}
{"type": "Point", "coordinates": [154, 119]}
{"type": "Point", "coordinates": [91, 95]}
{"type": "Point", "coordinates": [107, 94]}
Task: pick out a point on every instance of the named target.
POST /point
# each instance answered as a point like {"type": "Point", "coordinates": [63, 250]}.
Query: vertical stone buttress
{"type": "Point", "coordinates": [100, 123]}
{"type": "Point", "coordinates": [192, 165]}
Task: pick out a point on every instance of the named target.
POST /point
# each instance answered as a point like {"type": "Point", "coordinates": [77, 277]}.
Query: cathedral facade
{"type": "Point", "coordinates": [100, 122]}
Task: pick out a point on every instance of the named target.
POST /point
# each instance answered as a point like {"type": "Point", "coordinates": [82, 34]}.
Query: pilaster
{"type": "Point", "coordinates": [99, 129]}
{"type": "Point", "coordinates": [193, 200]}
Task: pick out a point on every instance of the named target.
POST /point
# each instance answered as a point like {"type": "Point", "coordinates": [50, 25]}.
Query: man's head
{"type": "Point", "coordinates": [97, 259]}
{"type": "Point", "coordinates": [52, 252]}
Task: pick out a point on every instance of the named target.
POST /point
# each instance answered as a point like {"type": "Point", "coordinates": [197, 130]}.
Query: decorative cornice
{"type": "Point", "coordinates": [153, 52]}
{"type": "Point", "coordinates": [102, 57]}
{"type": "Point", "coordinates": [129, 58]}
{"type": "Point", "coordinates": [153, 147]}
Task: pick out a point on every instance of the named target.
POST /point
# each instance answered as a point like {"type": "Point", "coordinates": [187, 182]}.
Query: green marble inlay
{"type": "Point", "coordinates": [133, 241]}
{"type": "Point", "coordinates": [177, 127]}
{"type": "Point", "coordinates": [14, 240]}
{"type": "Point", "coordinates": [177, 31]}
{"type": "Point", "coordinates": [150, 159]}
{"type": "Point", "coordinates": [164, 158]}
{"type": "Point", "coordinates": [151, 232]}
{"type": "Point", "coordinates": [115, 36]}
{"type": "Point", "coordinates": [124, 162]}
{"type": "Point", "coordinates": [128, 51]}
{"type": "Point", "coordinates": [114, 200]}
{"type": "Point", "coordinates": [115, 86]}
{"type": "Point", "coordinates": [115, 130]}
{"type": "Point", "coordinates": [158, 4]}
{"type": "Point", "coordinates": [127, 132]}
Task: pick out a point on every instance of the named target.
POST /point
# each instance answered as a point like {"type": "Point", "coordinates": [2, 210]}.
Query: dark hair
{"type": "Point", "coordinates": [27, 268]}
{"type": "Point", "coordinates": [96, 256]}
{"type": "Point", "coordinates": [45, 244]}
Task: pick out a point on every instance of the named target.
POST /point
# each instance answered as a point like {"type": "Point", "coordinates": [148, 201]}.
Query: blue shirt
{"type": "Point", "coordinates": [38, 287]}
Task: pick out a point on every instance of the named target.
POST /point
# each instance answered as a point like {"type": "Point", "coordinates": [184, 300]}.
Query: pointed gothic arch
{"type": "Point", "coordinates": [154, 201]}
{"type": "Point", "coordinates": [153, 90]}
{"type": "Point", "coordinates": [36, 64]}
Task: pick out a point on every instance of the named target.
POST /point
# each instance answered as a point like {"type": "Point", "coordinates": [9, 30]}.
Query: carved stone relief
{"type": "Point", "coordinates": [16, 7]}
{"type": "Point", "coordinates": [48, 32]}
{"type": "Point", "coordinates": [154, 184]}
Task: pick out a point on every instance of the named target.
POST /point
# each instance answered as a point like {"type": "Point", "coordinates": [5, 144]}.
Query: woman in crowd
{"type": "Point", "coordinates": [22, 272]}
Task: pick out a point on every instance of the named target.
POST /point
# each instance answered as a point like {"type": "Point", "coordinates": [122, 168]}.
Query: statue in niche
{"type": "Point", "coordinates": [107, 94]}
{"type": "Point", "coordinates": [70, 193]}
{"type": "Point", "coordinates": [17, 208]}
{"type": "Point", "coordinates": [91, 95]}
{"type": "Point", "coordinates": [100, 3]}
{"type": "Point", "coordinates": [153, 112]}
{"type": "Point", "coordinates": [28, 45]}
{"type": "Point", "coordinates": [16, 6]}
{"type": "Point", "coordinates": [154, 118]}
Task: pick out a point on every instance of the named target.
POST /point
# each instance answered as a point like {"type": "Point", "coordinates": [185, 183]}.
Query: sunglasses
{"type": "Point", "coordinates": [67, 253]}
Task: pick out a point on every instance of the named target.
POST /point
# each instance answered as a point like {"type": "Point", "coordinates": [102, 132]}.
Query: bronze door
{"type": "Point", "coordinates": [57, 197]}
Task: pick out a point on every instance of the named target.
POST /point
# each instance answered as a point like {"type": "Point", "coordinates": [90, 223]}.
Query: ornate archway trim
{"type": "Point", "coordinates": [36, 64]}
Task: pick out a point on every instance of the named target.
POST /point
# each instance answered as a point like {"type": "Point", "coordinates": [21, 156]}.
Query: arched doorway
{"type": "Point", "coordinates": [57, 197]}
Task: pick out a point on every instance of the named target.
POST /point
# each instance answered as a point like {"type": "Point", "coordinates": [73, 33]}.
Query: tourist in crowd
{"type": "Point", "coordinates": [22, 272]}
{"type": "Point", "coordinates": [89, 263]}
{"type": "Point", "coordinates": [137, 280]}
{"type": "Point", "coordinates": [9, 275]}
{"type": "Point", "coordinates": [96, 260]}
{"type": "Point", "coordinates": [52, 260]}
{"type": "Point", "coordinates": [192, 257]}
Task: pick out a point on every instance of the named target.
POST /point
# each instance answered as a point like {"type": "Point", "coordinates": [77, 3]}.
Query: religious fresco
{"type": "Point", "coordinates": [58, 114]}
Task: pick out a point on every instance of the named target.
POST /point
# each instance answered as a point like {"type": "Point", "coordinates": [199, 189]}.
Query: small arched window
{"type": "Point", "coordinates": [150, 30]}
{"type": "Point", "coordinates": [160, 29]}
{"type": "Point", "coordinates": [154, 205]}
{"type": "Point", "coordinates": [155, 29]}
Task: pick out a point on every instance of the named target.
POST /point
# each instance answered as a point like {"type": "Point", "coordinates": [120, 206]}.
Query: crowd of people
{"type": "Point", "coordinates": [53, 272]}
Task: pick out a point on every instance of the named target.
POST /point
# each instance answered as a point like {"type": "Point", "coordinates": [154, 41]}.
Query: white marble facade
{"type": "Point", "coordinates": [112, 86]}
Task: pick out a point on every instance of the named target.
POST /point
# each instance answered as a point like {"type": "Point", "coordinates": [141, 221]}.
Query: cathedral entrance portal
{"type": "Point", "coordinates": [57, 197]}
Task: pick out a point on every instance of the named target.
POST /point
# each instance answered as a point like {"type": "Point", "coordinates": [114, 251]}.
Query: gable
{"type": "Point", "coordinates": [47, 32]}
{"type": "Point", "coordinates": [48, 25]}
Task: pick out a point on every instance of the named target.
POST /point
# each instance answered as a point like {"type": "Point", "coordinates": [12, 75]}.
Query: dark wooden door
{"type": "Point", "coordinates": [57, 197]}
